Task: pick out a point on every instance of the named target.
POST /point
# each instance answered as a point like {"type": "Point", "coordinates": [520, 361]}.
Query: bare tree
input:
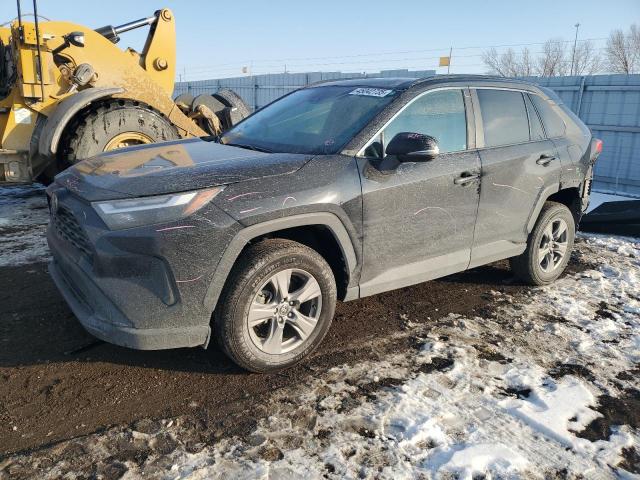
{"type": "Point", "coordinates": [553, 60]}
{"type": "Point", "coordinates": [509, 63]}
{"type": "Point", "coordinates": [498, 64]}
{"type": "Point", "coordinates": [634, 41]}
{"type": "Point", "coordinates": [586, 60]}
{"type": "Point", "coordinates": [622, 50]}
{"type": "Point", "coordinates": [526, 63]}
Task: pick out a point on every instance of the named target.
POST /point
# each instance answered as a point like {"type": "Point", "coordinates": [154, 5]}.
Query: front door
{"type": "Point", "coordinates": [419, 217]}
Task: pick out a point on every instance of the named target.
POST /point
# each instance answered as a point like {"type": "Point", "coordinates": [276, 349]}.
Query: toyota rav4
{"type": "Point", "coordinates": [336, 191]}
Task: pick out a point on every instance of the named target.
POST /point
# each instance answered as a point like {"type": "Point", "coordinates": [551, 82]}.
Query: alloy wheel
{"type": "Point", "coordinates": [553, 245]}
{"type": "Point", "coordinates": [285, 311]}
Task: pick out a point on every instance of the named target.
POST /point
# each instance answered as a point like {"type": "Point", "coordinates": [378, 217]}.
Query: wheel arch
{"type": "Point", "coordinates": [303, 229]}
{"type": "Point", "coordinates": [65, 112]}
{"type": "Point", "coordinates": [570, 197]}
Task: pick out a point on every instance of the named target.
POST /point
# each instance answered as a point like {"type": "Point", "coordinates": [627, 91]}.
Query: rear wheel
{"type": "Point", "coordinates": [277, 306]}
{"type": "Point", "coordinates": [548, 247]}
{"type": "Point", "coordinates": [113, 125]}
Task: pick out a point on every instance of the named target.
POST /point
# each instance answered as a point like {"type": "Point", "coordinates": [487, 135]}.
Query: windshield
{"type": "Point", "coordinates": [319, 120]}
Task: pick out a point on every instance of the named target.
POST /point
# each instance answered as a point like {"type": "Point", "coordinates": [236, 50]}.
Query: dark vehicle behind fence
{"type": "Point", "coordinates": [334, 192]}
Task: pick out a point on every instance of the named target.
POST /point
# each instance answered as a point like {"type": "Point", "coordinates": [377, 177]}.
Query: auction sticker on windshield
{"type": "Point", "coordinates": [371, 92]}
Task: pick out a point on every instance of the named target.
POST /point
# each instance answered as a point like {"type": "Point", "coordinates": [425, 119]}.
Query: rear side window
{"type": "Point", "coordinates": [440, 114]}
{"type": "Point", "coordinates": [504, 117]}
{"type": "Point", "coordinates": [534, 121]}
{"type": "Point", "coordinates": [553, 124]}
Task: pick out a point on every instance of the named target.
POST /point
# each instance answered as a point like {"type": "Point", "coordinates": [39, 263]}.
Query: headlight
{"type": "Point", "coordinates": [134, 212]}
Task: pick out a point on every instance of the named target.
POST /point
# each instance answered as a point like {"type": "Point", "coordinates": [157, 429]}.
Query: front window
{"type": "Point", "coordinates": [440, 114]}
{"type": "Point", "coordinates": [319, 120]}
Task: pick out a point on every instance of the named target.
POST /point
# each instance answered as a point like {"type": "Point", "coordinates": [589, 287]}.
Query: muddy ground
{"type": "Point", "coordinates": [57, 382]}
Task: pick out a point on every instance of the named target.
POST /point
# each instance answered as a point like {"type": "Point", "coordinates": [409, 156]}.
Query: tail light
{"type": "Point", "coordinates": [596, 145]}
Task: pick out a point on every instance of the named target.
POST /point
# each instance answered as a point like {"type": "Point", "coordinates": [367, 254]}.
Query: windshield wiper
{"type": "Point", "coordinates": [249, 147]}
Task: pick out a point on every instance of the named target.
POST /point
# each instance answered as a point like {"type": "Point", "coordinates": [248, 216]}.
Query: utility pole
{"type": "Point", "coordinates": [449, 66]}
{"type": "Point", "coordinates": [575, 45]}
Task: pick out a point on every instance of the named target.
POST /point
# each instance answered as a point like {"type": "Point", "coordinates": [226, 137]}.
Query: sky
{"type": "Point", "coordinates": [217, 39]}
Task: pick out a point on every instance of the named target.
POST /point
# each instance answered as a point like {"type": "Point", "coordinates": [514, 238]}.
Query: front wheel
{"type": "Point", "coordinates": [277, 305]}
{"type": "Point", "coordinates": [548, 247]}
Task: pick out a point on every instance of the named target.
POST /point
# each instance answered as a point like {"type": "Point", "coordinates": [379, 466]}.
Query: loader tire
{"type": "Point", "coordinates": [184, 101]}
{"type": "Point", "coordinates": [240, 110]}
{"type": "Point", "coordinates": [209, 101]}
{"type": "Point", "coordinates": [111, 125]}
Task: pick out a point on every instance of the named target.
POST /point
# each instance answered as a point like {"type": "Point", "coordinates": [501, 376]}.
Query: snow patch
{"type": "Point", "coordinates": [556, 409]}
{"type": "Point", "coordinates": [23, 221]}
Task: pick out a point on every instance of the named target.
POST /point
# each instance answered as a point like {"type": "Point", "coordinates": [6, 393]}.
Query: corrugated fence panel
{"type": "Point", "coordinates": [259, 90]}
{"type": "Point", "coordinates": [608, 104]}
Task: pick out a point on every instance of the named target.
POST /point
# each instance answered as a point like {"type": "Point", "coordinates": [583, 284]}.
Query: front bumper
{"type": "Point", "coordinates": [141, 288]}
{"type": "Point", "coordinates": [117, 333]}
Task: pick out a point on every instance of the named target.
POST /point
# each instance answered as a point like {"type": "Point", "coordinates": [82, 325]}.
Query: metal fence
{"type": "Point", "coordinates": [608, 104]}
{"type": "Point", "coordinates": [260, 90]}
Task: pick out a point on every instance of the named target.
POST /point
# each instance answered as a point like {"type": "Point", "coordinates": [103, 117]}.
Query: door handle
{"type": "Point", "coordinates": [465, 178]}
{"type": "Point", "coordinates": [545, 160]}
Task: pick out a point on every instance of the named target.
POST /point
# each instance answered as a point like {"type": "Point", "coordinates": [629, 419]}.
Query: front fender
{"type": "Point", "coordinates": [64, 112]}
{"type": "Point", "coordinates": [244, 236]}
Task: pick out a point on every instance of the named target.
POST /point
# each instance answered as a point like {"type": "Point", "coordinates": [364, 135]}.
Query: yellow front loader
{"type": "Point", "coordinates": [68, 92]}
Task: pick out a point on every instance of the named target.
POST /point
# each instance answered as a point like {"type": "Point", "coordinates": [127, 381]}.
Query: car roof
{"type": "Point", "coordinates": [401, 83]}
{"type": "Point", "coordinates": [375, 82]}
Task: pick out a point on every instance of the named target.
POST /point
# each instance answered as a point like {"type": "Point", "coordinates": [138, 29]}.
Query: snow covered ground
{"type": "Point", "coordinates": [543, 386]}
{"type": "Point", "coordinates": [23, 222]}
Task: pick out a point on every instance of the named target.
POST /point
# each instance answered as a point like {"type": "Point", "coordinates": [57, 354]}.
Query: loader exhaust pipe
{"type": "Point", "coordinates": [112, 33]}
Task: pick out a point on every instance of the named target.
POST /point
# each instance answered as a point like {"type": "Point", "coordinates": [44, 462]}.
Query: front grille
{"type": "Point", "coordinates": [68, 228]}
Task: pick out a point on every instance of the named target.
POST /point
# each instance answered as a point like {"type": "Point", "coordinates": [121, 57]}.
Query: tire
{"type": "Point", "coordinates": [94, 129]}
{"type": "Point", "coordinates": [251, 292]}
{"type": "Point", "coordinates": [532, 266]}
{"type": "Point", "coordinates": [209, 101]}
{"type": "Point", "coordinates": [184, 101]}
{"type": "Point", "coordinates": [231, 99]}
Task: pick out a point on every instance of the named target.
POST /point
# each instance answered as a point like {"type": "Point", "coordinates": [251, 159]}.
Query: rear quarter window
{"type": "Point", "coordinates": [504, 117]}
{"type": "Point", "coordinates": [553, 125]}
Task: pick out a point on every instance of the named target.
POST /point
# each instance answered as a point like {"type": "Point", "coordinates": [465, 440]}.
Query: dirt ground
{"type": "Point", "coordinates": [57, 382]}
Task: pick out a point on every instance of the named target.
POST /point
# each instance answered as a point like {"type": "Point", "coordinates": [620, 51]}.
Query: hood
{"type": "Point", "coordinates": [169, 167]}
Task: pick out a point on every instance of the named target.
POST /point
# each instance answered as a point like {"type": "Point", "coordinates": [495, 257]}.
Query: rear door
{"type": "Point", "coordinates": [555, 130]}
{"type": "Point", "coordinates": [518, 165]}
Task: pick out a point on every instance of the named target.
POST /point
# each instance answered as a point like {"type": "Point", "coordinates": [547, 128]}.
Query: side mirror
{"type": "Point", "coordinates": [413, 147]}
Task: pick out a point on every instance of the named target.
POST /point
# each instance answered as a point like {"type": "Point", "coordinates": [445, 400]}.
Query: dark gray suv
{"type": "Point", "coordinates": [334, 192]}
